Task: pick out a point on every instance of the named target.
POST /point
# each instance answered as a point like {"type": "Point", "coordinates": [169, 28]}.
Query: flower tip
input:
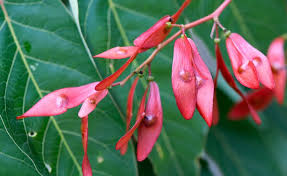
{"type": "Point", "coordinates": [258, 122]}
{"type": "Point", "coordinates": [20, 117]}
{"type": "Point", "coordinates": [187, 117]}
{"type": "Point", "coordinates": [100, 87]}
{"type": "Point", "coordinates": [141, 157]}
{"type": "Point", "coordinates": [86, 167]}
{"type": "Point", "coordinates": [123, 149]}
{"type": "Point", "coordinates": [119, 145]}
{"type": "Point", "coordinates": [81, 114]}
{"type": "Point", "coordinates": [208, 122]}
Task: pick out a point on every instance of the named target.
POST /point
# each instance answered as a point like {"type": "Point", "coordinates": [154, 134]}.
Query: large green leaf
{"type": "Point", "coordinates": [49, 45]}
{"type": "Point", "coordinates": [57, 53]}
{"type": "Point", "coordinates": [44, 36]}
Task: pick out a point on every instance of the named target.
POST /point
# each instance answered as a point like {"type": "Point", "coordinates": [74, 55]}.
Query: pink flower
{"type": "Point", "coordinates": [191, 81]}
{"type": "Point", "coordinates": [120, 52]}
{"type": "Point", "coordinates": [231, 82]}
{"type": "Point", "coordinates": [277, 60]}
{"type": "Point", "coordinates": [250, 66]}
{"type": "Point", "coordinates": [149, 123]}
{"type": "Point", "coordinates": [59, 101]}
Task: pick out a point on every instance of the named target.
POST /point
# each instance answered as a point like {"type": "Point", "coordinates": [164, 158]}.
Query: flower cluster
{"type": "Point", "coordinates": [192, 83]}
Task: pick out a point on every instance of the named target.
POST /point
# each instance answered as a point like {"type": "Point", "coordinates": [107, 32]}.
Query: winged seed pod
{"type": "Point", "coordinates": [191, 81]}
{"type": "Point", "coordinates": [276, 58]}
{"type": "Point", "coordinates": [249, 65]}
{"type": "Point", "coordinates": [59, 101]}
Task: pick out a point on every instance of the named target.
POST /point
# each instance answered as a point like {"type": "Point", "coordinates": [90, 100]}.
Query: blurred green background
{"type": "Point", "coordinates": [58, 49]}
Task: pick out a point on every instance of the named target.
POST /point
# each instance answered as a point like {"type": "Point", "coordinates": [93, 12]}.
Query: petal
{"type": "Point", "coordinates": [90, 103]}
{"type": "Point", "coordinates": [119, 52]}
{"type": "Point", "coordinates": [183, 78]}
{"type": "Point", "coordinates": [229, 79]}
{"type": "Point", "coordinates": [154, 35]}
{"type": "Point", "coordinates": [254, 101]}
{"type": "Point", "coordinates": [260, 61]}
{"type": "Point", "coordinates": [178, 13]}
{"type": "Point", "coordinates": [280, 82]}
{"type": "Point", "coordinates": [129, 111]}
{"type": "Point", "coordinates": [244, 70]}
{"type": "Point", "coordinates": [86, 167]}
{"type": "Point", "coordinates": [110, 79]}
{"type": "Point", "coordinates": [205, 86]}
{"type": "Point", "coordinates": [223, 68]}
{"type": "Point", "coordinates": [125, 139]}
{"type": "Point", "coordinates": [276, 58]}
{"type": "Point", "coordinates": [149, 132]}
{"type": "Point", "coordinates": [60, 101]}
{"type": "Point", "coordinates": [159, 31]}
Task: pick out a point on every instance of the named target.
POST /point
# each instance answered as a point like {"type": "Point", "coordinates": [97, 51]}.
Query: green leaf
{"type": "Point", "coordinates": [48, 44]}
{"type": "Point", "coordinates": [243, 148]}
{"type": "Point", "coordinates": [41, 53]}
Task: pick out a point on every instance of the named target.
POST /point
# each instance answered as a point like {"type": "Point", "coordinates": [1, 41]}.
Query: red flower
{"type": "Point", "coordinates": [61, 100]}
{"type": "Point", "coordinates": [250, 66]}
{"type": "Point", "coordinates": [229, 79]}
{"type": "Point", "coordinates": [120, 52]}
{"type": "Point", "coordinates": [277, 60]}
{"type": "Point", "coordinates": [149, 123]}
{"type": "Point", "coordinates": [149, 39]}
{"type": "Point", "coordinates": [86, 167]}
{"type": "Point", "coordinates": [259, 100]}
{"type": "Point", "coordinates": [149, 130]}
{"type": "Point", "coordinates": [191, 81]}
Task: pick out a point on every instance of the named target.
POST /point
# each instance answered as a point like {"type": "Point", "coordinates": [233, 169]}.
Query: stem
{"type": "Point", "coordinates": [211, 16]}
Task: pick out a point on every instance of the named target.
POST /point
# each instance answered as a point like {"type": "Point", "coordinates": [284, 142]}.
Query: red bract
{"type": "Point", "coordinates": [250, 66]}
{"type": "Point", "coordinates": [149, 124]}
{"type": "Point", "coordinates": [183, 78]}
{"type": "Point", "coordinates": [229, 79]}
{"type": "Point", "coordinates": [59, 101]}
{"type": "Point", "coordinates": [277, 60]}
{"type": "Point", "coordinates": [86, 167]}
{"type": "Point", "coordinates": [110, 79]}
{"type": "Point", "coordinates": [159, 31]}
{"type": "Point", "coordinates": [191, 81]}
{"type": "Point", "coordinates": [120, 52]}
{"type": "Point", "coordinates": [259, 99]}
{"type": "Point", "coordinates": [205, 86]}
{"type": "Point", "coordinates": [129, 115]}
{"type": "Point", "coordinates": [140, 115]}
{"type": "Point", "coordinates": [149, 129]}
